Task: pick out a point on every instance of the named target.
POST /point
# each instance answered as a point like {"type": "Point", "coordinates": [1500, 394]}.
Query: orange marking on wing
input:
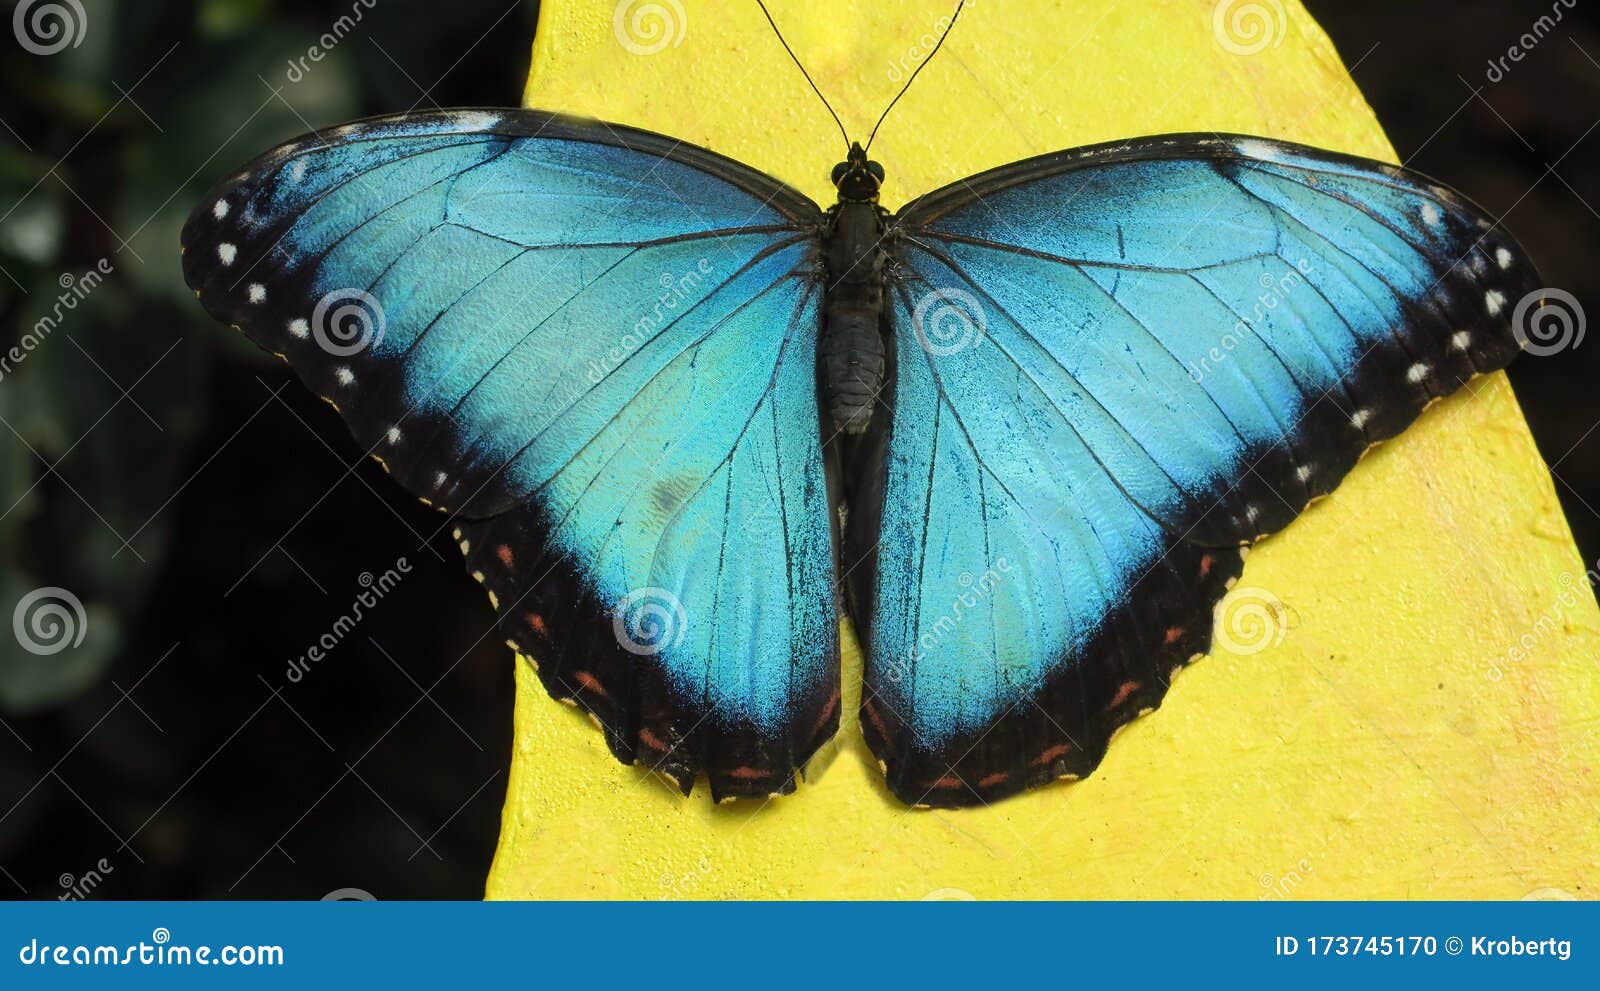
{"type": "Point", "coordinates": [536, 622]}
{"type": "Point", "coordinates": [877, 723]}
{"type": "Point", "coordinates": [1128, 688]}
{"type": "Point", "coordinates": [748, 773]}
{"type": "Point", "coordinates": [993, 779]}
{"type": "Point", "coordinates": [503, 552]}
{"type": "Point", "coordinates": [949, 781]}
{"type": "Point", "coordinates": [1173, 633]}
{"type": "Point", "coordinates": [827, 711]}
{"type": "Point", "coordinates": [590, 682]}
{"type": "Point", "coordinates": [650, 740]}
{"type": "Point", "coordinates": [1205, 565]}
{"type": "Point", "coordinates": [1052, 754]}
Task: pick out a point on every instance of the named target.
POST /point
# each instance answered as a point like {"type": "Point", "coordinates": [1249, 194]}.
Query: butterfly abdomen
{"type": "Point", "coordinates": [852, 352]}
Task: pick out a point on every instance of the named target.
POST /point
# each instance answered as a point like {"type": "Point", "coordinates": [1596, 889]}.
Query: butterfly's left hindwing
{"type": "Point", "coordinates": [1114, 368]}
{"type": "Point", "coordinates": [597, 347]}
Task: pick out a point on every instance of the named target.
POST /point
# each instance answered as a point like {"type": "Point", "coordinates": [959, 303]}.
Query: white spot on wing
{"type": "Point", "coordinates": [220, 209]}
{"type": "Point", "coordinates": [1460, 339]}
{"type": "Point", "coordinates": [299, 328]}
{"type": "Point", "coordinates": [297, 171]}
{"type": "Point", "coordinates": [475, 120]}
{"type": "Point", "coordinates": [1502, 258]}
{"type": "Point", "coordinates": [1303, 472]}
{"type": "Point", "coordinates": [344, 375]}
{"type": "Point", "coordinates": [1431, 214]}
{"type": "Point", "coordinates": [1360, 418]}
{"type": "Point", "coordinates": [438, 480]}
{"type": "Point", "coordinates": [1252, 148]}
{"type": "Point", "coordinates": [393, 435]}
{"type": "Point", "coordinates": [1416, 373]}
{"type": "Point", "coordinates": [258, 293]}
{"type": "Point", "coordinates": [227, 253]}
{"type": "Point", "coordinates": [1494, 301]}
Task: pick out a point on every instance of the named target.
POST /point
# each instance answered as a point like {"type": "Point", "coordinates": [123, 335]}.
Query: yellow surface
{"type": "Point", "coordinates": [1421, 722]}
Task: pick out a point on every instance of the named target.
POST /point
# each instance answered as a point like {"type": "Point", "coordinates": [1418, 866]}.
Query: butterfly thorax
{"type": "Point", "coordinates": [852, 341]}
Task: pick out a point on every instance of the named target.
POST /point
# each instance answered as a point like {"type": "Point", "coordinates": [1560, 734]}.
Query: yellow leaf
{"type": "Point", "coordinates": [1419, 723]}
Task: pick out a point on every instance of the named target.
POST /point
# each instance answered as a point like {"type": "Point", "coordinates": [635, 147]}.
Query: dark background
{"type": "Point", "coordinates": [167, 755]}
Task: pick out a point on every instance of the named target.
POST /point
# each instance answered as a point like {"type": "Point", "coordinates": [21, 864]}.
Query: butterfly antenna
{"type": "Point", "coordinates": [914, 72]}
{"type": "Point", "coordinates": [803, 71]}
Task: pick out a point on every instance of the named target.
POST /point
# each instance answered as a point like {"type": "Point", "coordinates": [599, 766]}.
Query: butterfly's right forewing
{"type": "Point", "coordinates": [597, 346]}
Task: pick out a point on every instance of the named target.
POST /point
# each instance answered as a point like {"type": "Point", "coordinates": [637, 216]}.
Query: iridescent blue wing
{"type": "Point", "coordinates": [596, 346]}
{"type": "Point", "coordinates": [1115, 367]}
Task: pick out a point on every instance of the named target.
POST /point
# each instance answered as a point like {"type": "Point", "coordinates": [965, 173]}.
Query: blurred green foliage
{"type": "Point", "coordinates": [110, 142]}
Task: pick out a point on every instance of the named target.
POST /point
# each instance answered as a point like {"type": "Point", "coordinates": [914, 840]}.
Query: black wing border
{"type": "Point", "coordinates": [531, 122]}
{"type": "Point", "coordinates": [1211, 146]}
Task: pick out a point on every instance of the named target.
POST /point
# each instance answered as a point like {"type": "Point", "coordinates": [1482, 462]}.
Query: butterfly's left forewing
{"type": "Point", "coordinates": [596, 346]}
{"type": "Point", "coordinates": [1114, 368]}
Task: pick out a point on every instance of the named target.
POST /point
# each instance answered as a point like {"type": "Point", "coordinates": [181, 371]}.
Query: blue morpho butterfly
{"type": "Point", "coordinates": [1028, 423]}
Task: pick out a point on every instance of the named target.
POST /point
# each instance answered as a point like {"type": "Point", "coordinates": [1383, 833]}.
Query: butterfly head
{"type": "Point", "coordinates": [857, 178]}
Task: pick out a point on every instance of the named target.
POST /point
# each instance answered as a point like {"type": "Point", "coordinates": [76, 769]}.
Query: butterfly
{"type": "Point", "coordinates": [1022, 429]}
